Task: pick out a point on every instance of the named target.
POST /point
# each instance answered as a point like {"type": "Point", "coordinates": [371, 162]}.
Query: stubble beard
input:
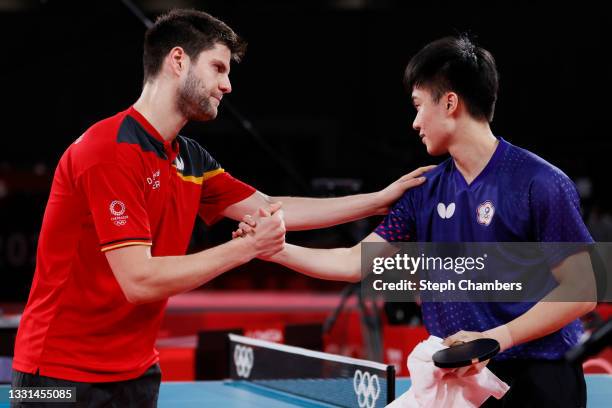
{"type": "Point", "coordinates": [193, 103]}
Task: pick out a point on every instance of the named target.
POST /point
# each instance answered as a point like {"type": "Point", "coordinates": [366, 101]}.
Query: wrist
{"type": "Point", "coordinates": [376, 202]}
{"type": "Point", "coordinates": [503, 336]}
{"type": "Point", "coordinates": [245, 247]}
{"type": "Point", "coordinates": [279, 257]}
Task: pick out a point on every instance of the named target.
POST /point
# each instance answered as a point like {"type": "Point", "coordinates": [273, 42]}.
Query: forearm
{"type": "Point", "coordinates": [545, 318]}
{"type": "Point", "coordinates": [162, 277]}
{"type": "Point", "coordinates": [311, 213]}
{"type": "Point", "coordinates": [343, 264]}
{"type": "Point", "coordinates": [574, 296]}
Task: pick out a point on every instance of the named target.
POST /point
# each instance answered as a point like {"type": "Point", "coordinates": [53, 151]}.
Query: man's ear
{"type": "Point", "coordinates": [177, 60]}
{"type": "Point", "coordinates": [451, 99]}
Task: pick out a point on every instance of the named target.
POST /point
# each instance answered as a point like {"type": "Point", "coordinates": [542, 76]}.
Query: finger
{"type": "Point", "coordinates": [413, 182]}
{"type": "Point", "coordinates": [453, 340]}
{"type": "Point", "coordinates": [245, 228]}
{"type": "Point", "coordinates": [274, 207]}
{"type": "Point", "coordinates": [420, 170]}
{"type": "Point", "coordinates": [424, 169]}
{"type": "Point", "coordinates": [480, 366]}
{"type": "Point", "coordinates": [465, 371]}
{"type": "Point", "coordinates": [249, 220]}
{"type": "Point", "coordinates": [263, 212]}
{"type": "Point", "coordinates": [449, 373]}
{"type": "Point", "coordinates": [449, 340]}
{"type": "Point", "coordinates": [473, 369]}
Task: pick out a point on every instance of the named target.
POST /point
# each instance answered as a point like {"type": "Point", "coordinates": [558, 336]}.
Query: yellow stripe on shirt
{"type": "Point", "coordinates": [203, 178]}
{"type": "Point", "coordinates": [125, 243]}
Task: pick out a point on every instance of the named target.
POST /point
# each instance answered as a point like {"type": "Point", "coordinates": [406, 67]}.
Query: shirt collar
{"type": "Point", "coordinates": [171, 148]}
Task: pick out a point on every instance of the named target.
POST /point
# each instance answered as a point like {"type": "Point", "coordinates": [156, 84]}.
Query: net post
{"type": "Point", "coordinates": [390, 384]}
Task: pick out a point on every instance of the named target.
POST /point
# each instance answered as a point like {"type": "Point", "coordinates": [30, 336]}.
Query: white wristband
{"type": "Point", "coordinates": [502, 335]}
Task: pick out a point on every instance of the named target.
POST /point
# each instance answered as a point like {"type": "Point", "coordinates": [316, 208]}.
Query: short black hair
{"type": "Point", "coordinates": [455, 64]}
{"type": "Point", "coordinates": [195, 31]}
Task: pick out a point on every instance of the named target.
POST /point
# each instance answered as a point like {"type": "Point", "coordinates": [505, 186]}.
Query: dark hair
{"type": "Point", "coordinates": [194, 31]}
{"type": "Point", "coordinates": [456, 64]}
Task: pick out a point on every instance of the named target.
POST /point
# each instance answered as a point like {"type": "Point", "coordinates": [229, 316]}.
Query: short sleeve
{"type": "Point", "coordinates": [219, 191]}
{"type": "Point", "coordinates": [399, 224]}
{"type": "Point", "coordinates": [115, 196]}
{"type": "Point", "coordinates": [556, 217]}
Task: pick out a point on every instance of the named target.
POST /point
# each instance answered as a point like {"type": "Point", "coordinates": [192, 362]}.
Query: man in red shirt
{"type": "Point", "coordinates": [120, 214]}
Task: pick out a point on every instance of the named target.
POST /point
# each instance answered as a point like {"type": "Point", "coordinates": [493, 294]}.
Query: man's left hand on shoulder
{"type": "Point", "coordinates": [389, 195]}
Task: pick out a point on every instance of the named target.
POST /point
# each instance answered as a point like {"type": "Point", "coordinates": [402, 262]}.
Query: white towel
{"type": "Point", "coordinates": [434, 387]}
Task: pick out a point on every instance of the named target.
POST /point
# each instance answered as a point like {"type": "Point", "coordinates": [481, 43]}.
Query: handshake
{"type": "Point", "coordinates": [266, 230]}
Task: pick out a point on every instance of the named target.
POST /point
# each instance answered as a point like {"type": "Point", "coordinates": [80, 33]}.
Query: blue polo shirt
{"type": "Point", "coordinates": [518, 197]}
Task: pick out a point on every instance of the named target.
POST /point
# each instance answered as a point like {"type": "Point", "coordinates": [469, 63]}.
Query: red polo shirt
{"type": "Point", "coordinates": [119, 184]}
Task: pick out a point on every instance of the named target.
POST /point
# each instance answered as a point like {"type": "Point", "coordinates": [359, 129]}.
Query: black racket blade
{"type": "Point", "coordinates": [466, 354]}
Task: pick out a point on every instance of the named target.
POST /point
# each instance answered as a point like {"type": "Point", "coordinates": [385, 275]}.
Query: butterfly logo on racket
{"type": "Point", "coordinates": [367, 388]}
{"type": "Point", "coordinates": [243, 359]}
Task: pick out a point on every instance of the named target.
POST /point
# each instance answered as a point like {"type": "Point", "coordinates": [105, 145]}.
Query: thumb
{"type": "Point", "coordinates": [263, 212]}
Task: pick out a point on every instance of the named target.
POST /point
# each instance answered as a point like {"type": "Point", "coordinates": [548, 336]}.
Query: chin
{"type": "Point", "coordinates": [204, 116]}
{"type": "Point", "coordinates": [436, 151]}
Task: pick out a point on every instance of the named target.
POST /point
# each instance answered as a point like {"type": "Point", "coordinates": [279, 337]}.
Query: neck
{"type": "Point", "coordinates": [473, 147]}
{"type": "Point", "coordinates": [157, 103]}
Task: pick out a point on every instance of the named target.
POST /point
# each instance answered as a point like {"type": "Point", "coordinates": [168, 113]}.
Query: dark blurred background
{"type": "Point", "coordinates": [321, 84]}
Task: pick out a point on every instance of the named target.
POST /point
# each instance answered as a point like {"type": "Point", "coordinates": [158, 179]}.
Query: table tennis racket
{"type": "Point", "coordinates": [465, 354]}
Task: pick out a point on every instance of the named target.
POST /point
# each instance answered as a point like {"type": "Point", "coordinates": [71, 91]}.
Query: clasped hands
{"type": "Point", "coordinates": [266, 228]}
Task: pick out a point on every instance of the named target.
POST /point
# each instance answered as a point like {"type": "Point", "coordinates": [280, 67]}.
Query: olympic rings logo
{"type": "Point", "coordinates": [117, 208]}
{"type": "Point", "coordinates": [367, 388]}
{"type": "Point", "coordinates": [243, 359]}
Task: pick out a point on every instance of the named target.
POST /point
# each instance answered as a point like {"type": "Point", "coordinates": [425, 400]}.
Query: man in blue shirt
{"type": "Point", "coordinates": [487, 191]}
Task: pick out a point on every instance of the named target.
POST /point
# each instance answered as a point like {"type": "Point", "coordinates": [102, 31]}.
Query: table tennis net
{"type": "Point", "coordinates": [313, 375]}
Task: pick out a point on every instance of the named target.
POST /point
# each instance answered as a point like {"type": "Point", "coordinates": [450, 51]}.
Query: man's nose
{"type": "Point", "coordinates": [225, 85]}
{"type": "Point", "coordinates": [416, 125]}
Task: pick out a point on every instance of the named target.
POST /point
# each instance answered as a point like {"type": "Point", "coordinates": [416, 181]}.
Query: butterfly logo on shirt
{"type": "Point", "coordinates": [179, 163]}
{"type": "Point", "coordinates": [446, 211]}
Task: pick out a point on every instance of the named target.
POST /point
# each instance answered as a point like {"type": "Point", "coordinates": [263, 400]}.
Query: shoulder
{"type": "Point", "coordinates": [435, 178]}
{"type": "Point", "coordinates": [112, 141]}
{"type": "Point", "coordinates": [537, 170]}
{"type": "Point", "coordinates": [542, 180]}
{"type": "Point", "coordinates": [531, 164]}
{"type": "Point", "coordinates": [439, 172]}
{"type": "Point", "coordinates": [197, 155]}
{"type": "Point", "coordinates": [188, 144]}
